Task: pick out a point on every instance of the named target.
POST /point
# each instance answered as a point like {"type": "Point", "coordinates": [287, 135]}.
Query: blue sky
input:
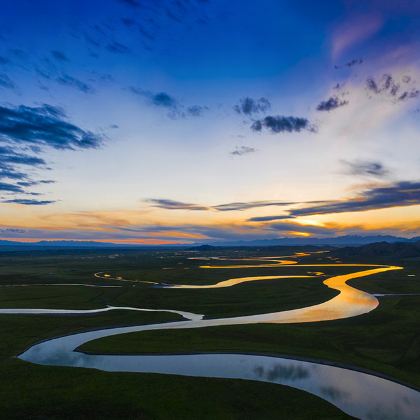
{"type": "Point", "coordinates": [142, 121]}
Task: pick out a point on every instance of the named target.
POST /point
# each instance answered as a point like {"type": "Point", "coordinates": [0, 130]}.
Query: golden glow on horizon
{"type": "Point", "coordinates": [167, 226]}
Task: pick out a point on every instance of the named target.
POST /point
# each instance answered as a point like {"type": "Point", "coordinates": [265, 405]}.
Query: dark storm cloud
{"type": "Point", "coordinates": [331, 103]}
{"type": "Point", "coordinates": [71, 81]}
{"type": "Point", "coordinates": [282, 124]}
{"type": "Point", "coordinates": [45, 125]}
{"type": "Point", "coordinates": [29, 202]}
{"type": "Point", "coordinates": [249, 106]}
{"type": "Point", "coordinates": [370, 168]}
{"type": "Point", "coordinates": [242, 150]}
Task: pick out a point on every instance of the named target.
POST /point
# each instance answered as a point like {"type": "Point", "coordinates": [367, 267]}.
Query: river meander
{"type": "Point", "coordinates": [357, 393]}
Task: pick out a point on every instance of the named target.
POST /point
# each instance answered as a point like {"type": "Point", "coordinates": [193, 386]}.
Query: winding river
{"type": "Point", "coordinates": [359, 394]}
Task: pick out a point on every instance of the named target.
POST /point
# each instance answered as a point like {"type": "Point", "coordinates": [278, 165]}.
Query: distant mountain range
{"type": "Point", "coordinates": [340, 241]}
{"type": "Point", "coordinates": [71, 244]}
{"type": "Point", "coordinates": [348, 240]}
{"type": "Point", "coordinates": [381, 249]}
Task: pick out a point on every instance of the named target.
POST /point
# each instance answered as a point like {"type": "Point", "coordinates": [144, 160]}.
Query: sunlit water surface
{"type": "Point", "coordinates": [357, 393]}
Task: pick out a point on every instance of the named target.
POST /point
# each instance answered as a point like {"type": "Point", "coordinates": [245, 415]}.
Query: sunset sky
{"type": "Point", "coordinates": [183, 121]}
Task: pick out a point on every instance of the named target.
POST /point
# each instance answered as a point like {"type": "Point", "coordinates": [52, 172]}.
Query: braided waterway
{"type": "Point", "coordinates": [357, 393]}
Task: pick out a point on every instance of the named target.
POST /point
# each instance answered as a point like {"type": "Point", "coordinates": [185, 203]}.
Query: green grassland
{"type": "Point", "coordinates": [386, 340]}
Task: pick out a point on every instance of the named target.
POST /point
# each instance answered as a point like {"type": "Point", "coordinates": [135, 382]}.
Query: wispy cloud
{"type": "Point", "coordinates": [29, 202]}
{"type": "Point", "coordinates": [249, 106]}
{"type": "Point", "coordinates": [354, 31]}
{"type": "Point", "coordinates": [4, 186]}
{"type": "Point", "coordinates": [25, 130]}
{"type": "Point", "coordinates": [71, 81]}
{"type": "Point", "coordinates": [387, 86]}
{"type": "Point", "coordinates": [167, 204]}
{"type": "Point", "coordinates": [6, 82]}
{"type": "Point", "coordinates": [165, 100]}
{"type": "Point", "coordinates": [281, 124]}
{"type": "Point", "coordinates": [59, 56]}
{"type": "Point", "coordinates": [404, 193]}
{"type": "Point", "coordinates": [236, 206]}
{"type": "Point", "coordinates": [331, 103]}
{"type": "Point", "coordinates": [242, 150]}
{"type": "Point", "coordinates": [117, 48]}
{"type": "Point", "coordinates": [45, 125]}
{"type": "Point", "coordinates": [365, 168]}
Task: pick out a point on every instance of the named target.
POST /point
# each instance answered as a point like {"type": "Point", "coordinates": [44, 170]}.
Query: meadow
{"type": "Point", "coordinates": [386, 340]}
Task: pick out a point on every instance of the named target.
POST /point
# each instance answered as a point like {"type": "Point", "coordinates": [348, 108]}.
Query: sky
{"type": "Point", "coordinates": [200, 121]}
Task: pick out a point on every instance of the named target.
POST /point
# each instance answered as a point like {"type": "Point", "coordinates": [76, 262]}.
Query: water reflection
{"type": "Point", "coordinates": [356, 393]}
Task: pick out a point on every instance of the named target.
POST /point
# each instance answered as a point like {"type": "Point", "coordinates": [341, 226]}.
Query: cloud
{"type": "Point", "coordinates": [29, 202]}
{"type": "Point", "coordinates": [354, 31]}
{"type": "Point", "coordinates": [4, 60]}
{"type": "Point", "coordinates": [6, 82]}
{"type": "Point", "coordinates": [45, 125]}
{"type": "Point", "coordinates": [249, 205]}
{"type": "Point", "coordinates": [196, 110]}
{"type": "Point", "coordinates": [297, 227]}
{"type": "Point", "coordinates": [68, 80]}
{"type": "Point", "coordinates": [268, 218]}
{"type": "Point", "coordinates": [128, 22]}
{"type": "Point", "coordinates": [11, 160]}
{"type": "Point", "coordinates": [59, 56]}
{"type": "Point", "coordinates": [387, 86]}
{"type": "Point", "coordinates": [399, 194]}
{"type": "Point", "coordinates": [117, 48]}
{"type": "Point", "coordinates": [281, 124]}
{"type": "Point", "coordinates": [242, 150]}
{"type": "Point", "coordinates": [354, 62]}
{"type": "Point", "coordinates": [331, 103]}
{"type": "Point", "coordinates": [4, 186]}
{"type": "Point", "coordinates": [249, 106]}
{"type": "Point", "coordinates": [351, 63]}
{"type": "Point", "coordinates": [404, 193]}
{"type": "Point", "coordinates": [10, 156]}
{"type": "Point", "coordinates": [369, 168]}
{"type": "Point", "coordinates": [174, 205]}
{"type": "Point", "coordinates": [25, 129]}
{"type": "Point", "coordinates": [236, 206]}
{"type": "Point", "coordinates": [165, 100]}
{"type": "Point", "coordinates": [131, 3]}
